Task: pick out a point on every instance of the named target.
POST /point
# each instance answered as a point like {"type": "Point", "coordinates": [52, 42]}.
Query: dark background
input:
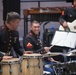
{"type": "Point", "coordinates": [14, 5]}
{"type": "Point", "coordinates": [10, 5]}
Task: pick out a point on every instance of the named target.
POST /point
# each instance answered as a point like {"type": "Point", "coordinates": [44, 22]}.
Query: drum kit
{"type": "Point", "coordinates": [68, 67]}
{"type": "Point", "coordinates": [31, 64]}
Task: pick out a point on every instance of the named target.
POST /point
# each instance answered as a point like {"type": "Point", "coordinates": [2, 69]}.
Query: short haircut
{"type": "Point", "coordinates": [12, 16]}
{"type": "Point", "coordinates": [36, 22]}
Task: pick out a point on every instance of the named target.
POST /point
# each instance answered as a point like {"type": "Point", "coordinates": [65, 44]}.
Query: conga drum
{"type": "Point", "coordinates": [10, 67]}
{"type": "Point", "coordinates": [32, 64]}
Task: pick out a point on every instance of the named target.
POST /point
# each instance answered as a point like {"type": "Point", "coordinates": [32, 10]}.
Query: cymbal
{"type": "Point", "coordinates": [69, 54]}
{"type": "Point", "coordinates": [73, 51]}
{"type": "Point", "coordinates": [51, 54]}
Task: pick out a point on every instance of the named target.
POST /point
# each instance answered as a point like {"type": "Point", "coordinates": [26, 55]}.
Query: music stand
{"type": "Point", "coordinates": [64, 39]}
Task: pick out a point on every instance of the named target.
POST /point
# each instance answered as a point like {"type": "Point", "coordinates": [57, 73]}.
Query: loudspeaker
{"type": "Point", "coordinates": [10, 5]}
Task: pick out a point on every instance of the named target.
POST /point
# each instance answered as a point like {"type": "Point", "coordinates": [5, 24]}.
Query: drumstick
{"type": "Point", "coordinates": [54, 44]}
{"type": "Point", "coordinates": [51, 46]}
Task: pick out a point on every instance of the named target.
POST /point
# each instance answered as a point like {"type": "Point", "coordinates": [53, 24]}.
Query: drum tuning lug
{"type": "Point", "coordinates": [10, 71]}
{"type": "Point", "coordinates": [39, 62]}
{"type": "Point", "coordinates": [20, 66]}
{"type": "Point", "coordinates": [27, 65]}
{"type": "Point", "coordinates": [10, 68]}
{"type": "Point", "coordinates": [39, 65]}
{"type": "Point", "coordinates": [28, 62]}
{"type": "Point", "coordinates": [21, 70]}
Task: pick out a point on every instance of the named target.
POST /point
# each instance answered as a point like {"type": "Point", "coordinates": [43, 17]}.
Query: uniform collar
{"type": "Point", "coordinates": [32, 33]}
{"type": "Point", "coordinates": [9, 29]}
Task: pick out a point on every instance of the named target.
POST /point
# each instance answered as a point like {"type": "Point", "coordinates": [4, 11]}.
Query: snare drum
{"type": "Point", "coordinates": [11, 67]}
{"type": "Point", "coordinates": [32, 64]}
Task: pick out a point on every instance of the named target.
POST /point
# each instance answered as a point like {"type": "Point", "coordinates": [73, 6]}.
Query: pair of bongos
{"type": "Point", "coordinates": [31, 64]}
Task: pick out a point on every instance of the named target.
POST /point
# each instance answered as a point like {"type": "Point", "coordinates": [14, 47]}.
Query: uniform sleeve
{"type": "Point", "coordinates": [29, 45]}
{"type": "Point", "coordinates": [17, 47]}
{"type": "Point", "coordinates": [1, 56]}
{"type": "Point", "coordinates": [63, 16]}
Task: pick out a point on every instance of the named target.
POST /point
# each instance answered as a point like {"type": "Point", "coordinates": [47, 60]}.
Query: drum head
{"type": "Point", "coordinates": [32, 54]}
{"type": "Point", "coordinates": [11, 60]}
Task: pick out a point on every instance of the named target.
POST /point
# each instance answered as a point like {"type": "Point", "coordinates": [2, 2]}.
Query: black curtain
{"type": "Point", "coordinates": [69, 0]}
{"type": "Point", "coordinates": [10, 5]}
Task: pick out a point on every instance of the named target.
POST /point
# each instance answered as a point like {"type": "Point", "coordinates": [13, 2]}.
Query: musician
{"type": "Point", "coordinates": [68, 15]}
{"type": "Point", "coordinates": [32, 43]}
{"type": "Point", "coordinates": [9, 36]}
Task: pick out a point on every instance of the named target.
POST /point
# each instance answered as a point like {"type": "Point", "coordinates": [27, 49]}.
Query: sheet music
{"type": "Point", "coordinates": [66, 39]}
{"type": "Point", "coordinates": [70, 40]}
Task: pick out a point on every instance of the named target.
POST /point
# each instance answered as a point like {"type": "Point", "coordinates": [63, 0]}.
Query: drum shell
{"type": "Point", "coordinates": [32, 65]}
{"type": "Point", "coordinates": [11, 67]}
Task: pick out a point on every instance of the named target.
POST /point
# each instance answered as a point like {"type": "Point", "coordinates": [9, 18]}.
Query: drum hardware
{"type": "Point", "coordinates": [10, 68]}
{"type": "Point", "coordinates": [28, 62]}
{"type": "Point", "coordinates": [29, 57]}
{"type": "Point", "coordinates": [20, 66]}
{"type": "Point", "coordinates": [9, 63]}
{"type": "Point", "coordinates": [54, 70]}
{"type": "Point", "coordinates": [60, 69]}
{"type": "Point", "coordinates": [66, 68]}
{"type": "Point", "coordinates": [38, 62]}
{"type": "Point", "coordinates": [72, 51]}
{"type": "Point", "coordinates": [70, 54]}
{"type": "Point", "coordinates": [37, 65]}
{"type": "Point", "coordinates": [71, 67]}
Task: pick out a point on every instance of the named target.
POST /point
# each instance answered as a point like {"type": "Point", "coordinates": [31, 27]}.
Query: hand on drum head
{"type": "Point", "coordinates": [28, 52]}
{"type": "Point", "coordinates": [7, 57]}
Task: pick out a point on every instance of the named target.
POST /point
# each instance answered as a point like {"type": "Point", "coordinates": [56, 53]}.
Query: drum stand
{"type": "Point", "coordinates": [59, 69]}
{"type": "Point", "coordinates": [54, 70]}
